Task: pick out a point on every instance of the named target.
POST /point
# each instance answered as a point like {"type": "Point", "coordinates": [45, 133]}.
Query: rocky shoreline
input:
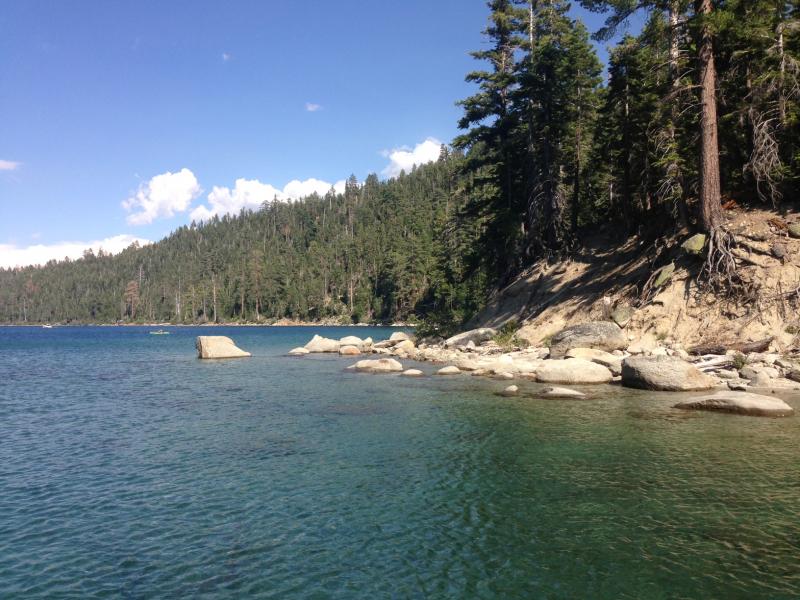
{"type": "Point", "coordinates": [588, 353]}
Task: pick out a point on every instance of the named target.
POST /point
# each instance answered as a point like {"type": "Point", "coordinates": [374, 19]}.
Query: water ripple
{"type": "Point", "coordinates": [130, 469]}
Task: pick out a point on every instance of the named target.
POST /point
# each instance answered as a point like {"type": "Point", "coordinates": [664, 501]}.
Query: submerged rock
{"type": "Point", "coordinates": [559, 392]}
{"type": "Point", "coordinates": [573, 371]}
{"type": "Point", "coordinates": [511, 390]}
{"type": "Point", "coordinates": [602, 335]}
{"type": "Point", "coordinates": [476, 336]}
{"type": "Point", "coordinates": [451, 370]}
{"type": "Point", "coordinates": [218, 346]}
{"type": "Point", "coordinates": [503, 375]}
{"type": "Point", "coordinates": [412, 373]}
{"type": "Point", "coordinates": [321, 344]}
{"type": "Point", "coordinates": [379, 365]}
{"type": "Point", "coordinates": [742, 403]}
{"type": "Point", "coordinates": [666, 373]}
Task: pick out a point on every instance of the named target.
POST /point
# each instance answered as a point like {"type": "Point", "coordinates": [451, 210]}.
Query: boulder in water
{"type": "Point", "coordinates": [218, 346]}
{"type": "Point", "coordinates": [321, 344]}
{"type": "Point", "coordinates": [399, 336]}
{"type": "Point", "coordinates": [412, 373]}
{"type": "Point", "coordinates": [560, 392]}
{"type": "Point", "coordinates": [451, 370]}
{"type": "Point", "coordinates": [380, 365]}
{"type": "Point", "coordinates": [511, 390]}
{"type": "Point", "coordinates": [573, 371]}
{"type": "Point", "coordinates": [503, 375]}
{"type": "Point", "coordinates": [742, 403]}
{"type": "Point", "coordinates": [349, 351]}
{"type": "Point", "coordinates": [601, 357]}
{"type": "Point", "coordinates": [298, 351]}
{"type": "Point", "coordinates": [405, 346]}
{"type": "Point", "coordinates": [351, 340]}
{"type": "Point", "coordinates": [665, 373]}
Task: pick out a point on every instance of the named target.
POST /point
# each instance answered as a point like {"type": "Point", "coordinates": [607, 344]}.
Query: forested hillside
{"type": "Point", "coordinates": [371, 253]}
{"type": "Point", "coordinates": [701, 108]}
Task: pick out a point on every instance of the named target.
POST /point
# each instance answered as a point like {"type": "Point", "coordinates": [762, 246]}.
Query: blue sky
{"type": "Point", "coordinates": [98, 99]}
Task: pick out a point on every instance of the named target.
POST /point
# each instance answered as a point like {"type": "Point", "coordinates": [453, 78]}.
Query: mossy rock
{"type": "Point", "coordinates": [794, 230]}
{"type": "Point", "coordinates": [664, 274]}
{"type": "Point", "coordinates": [622, 314]}
{"type": "Point", "coordinates": [695, 244]}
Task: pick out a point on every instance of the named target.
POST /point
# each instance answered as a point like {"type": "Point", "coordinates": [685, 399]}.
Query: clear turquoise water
{"type": "Point", "coordinates": [128, 468]}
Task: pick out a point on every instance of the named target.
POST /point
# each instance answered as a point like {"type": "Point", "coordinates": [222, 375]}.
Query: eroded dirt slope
{"type": "Point", "coordinates": [608, 277]}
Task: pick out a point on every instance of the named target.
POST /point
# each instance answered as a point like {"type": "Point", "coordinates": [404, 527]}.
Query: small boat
{"type": "Point", "coordinates": [159, 332]}
{"type": "Point", "coordinates": [47, 326]}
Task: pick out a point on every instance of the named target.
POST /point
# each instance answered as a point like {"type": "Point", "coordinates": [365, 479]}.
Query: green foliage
{"type": "Point", "coordinates": [547, 155]}
{"type": "Point", "coordinates": [507, 337]}
{"type": "Point", "coordinates": [380, 252]}
{"type": "Point", "coordinates": [739, 361]}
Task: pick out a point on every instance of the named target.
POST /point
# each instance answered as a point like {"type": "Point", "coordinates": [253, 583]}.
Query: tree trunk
{"type": "Point", "coordinates": [782, 76]}
{"type": "Point", "coordinates": [576, 190]}
{"type": "Point", "coordinates": [242, 313]}
{"type": "Point", "coordinates": [710, 197]}
{"type": "Point", "coordinates": [674, 76]}
{"type": "Point", "coordinates": [627, 196]}
{"type": "Point", "coordinates": [214, 295]}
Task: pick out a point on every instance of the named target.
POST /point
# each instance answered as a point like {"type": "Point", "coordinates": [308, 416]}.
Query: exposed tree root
{"type": "Point", "coordinates": [721, 274]}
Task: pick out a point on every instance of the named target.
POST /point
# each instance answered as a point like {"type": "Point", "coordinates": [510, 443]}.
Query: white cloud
{"type": "Point", "coordinates": [15, 256]}
{"type": "Point", "coordinates": [247, 193]}
{"type": "Point", "coordinates": [311, 107]}
{"type": "Point", "coordinates": [9, 165]}
{"type": "Point", "coordinates": [300, 189]}
{"type": "Point", "coordinates": [251, 194]}
{"type": "Point", "coordinates": [403, 159]}
{"type": "Point", "coordinates": [226, 56]}
{"type": "Point", "coordinates": [162, 197]}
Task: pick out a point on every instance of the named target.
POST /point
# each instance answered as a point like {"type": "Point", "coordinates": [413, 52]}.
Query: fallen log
{"type": "Point", "coordinates": [712, 363]}
{"type": "Point", "coordinates": [743, 347]}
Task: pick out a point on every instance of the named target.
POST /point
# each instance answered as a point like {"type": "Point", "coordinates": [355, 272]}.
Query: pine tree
{"type": "Point", "coordinates": [491, 140]}
{"type": "Point", "coordinates": [558, 79]}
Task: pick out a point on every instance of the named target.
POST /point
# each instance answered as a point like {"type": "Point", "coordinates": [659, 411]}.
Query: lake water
{"type": "Point", "coordinates": [129, 468]}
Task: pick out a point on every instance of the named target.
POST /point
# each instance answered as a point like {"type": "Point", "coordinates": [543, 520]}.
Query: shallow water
{"type": "Point", "coordinates": [128, 468]}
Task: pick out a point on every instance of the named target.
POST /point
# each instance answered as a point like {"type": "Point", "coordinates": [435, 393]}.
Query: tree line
{"type": "Point", "coordinates": [367, 254]}
{"type": "Point", "coordinates": [701, 109]}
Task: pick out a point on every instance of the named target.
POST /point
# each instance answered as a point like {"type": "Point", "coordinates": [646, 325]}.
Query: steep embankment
{"type": "Point", "coordinates": [608, 281]}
